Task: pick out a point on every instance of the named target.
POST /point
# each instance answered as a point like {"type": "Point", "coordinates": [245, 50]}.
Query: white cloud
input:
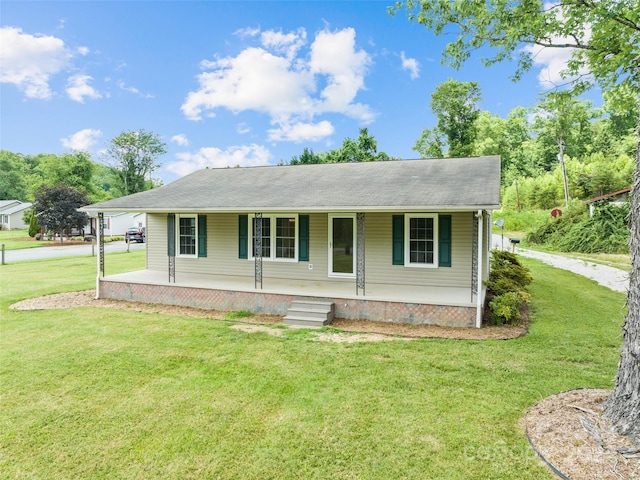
{"type": "Point", "coordinates": [334, 54]}
{"type": "Point", "coordinates": [287, 43]}
{"type": "Point", "coordinates": [83, 51]}
{"type": "Point", "coordinates": [300, 132]}
{"type": "Point", "coordinates": [82, 140]}
{"type": "Point", "coordinates": [122, 86]}
{"type": "Point", "coordinates": [553, 61]}
{"type": "Point", "coordinates": [180, 139]}
{"type": "Point", "coordinates": [247, 32]}
{"type": "Point", "coordinates": [243, 128]}
{"type": "Point", "coordinates": [29, 61]}
{"type": "Point", "coordinates": [254, 80]}
{"type": "Point", "coordinates": [281, 80]}
{"type": "Point", "coordinates": [127, 88]}
{"type": "Point", "coordinates": [410, 64]}
{"type": "Point", "coordinates": [245, 156]}
{"type": "Point", "coordinates": [78, 88]}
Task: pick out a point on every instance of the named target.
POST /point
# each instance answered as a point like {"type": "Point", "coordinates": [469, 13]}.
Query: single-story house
{"type": "Point", "coordinates": [619, 198]}
{"type": "Point", "coordinates": [11, 213]}
{"type": "Point", "coordinates": [117, 223]}
{"type": "Point", "coordinates": [398, 241]}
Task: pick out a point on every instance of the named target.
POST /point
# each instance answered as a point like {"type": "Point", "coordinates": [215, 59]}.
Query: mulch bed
{"type": "Point", "coordinates": [565, 429]}
{"type": "Point", "coordinates": [87, 299]}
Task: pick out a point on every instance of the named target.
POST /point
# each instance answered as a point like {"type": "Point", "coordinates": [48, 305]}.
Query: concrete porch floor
{"type": "Point", "coordinates": [336, 288]}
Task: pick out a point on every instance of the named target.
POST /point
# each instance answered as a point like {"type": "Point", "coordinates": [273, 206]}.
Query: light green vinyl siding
{"type": "Point", "coordinates": [222, 253]}
{"type": "Point", "coordinates": [379, 248]}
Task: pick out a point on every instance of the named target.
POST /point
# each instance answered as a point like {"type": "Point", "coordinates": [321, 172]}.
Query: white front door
{"type": "Point", "coordinates": [342, 254]}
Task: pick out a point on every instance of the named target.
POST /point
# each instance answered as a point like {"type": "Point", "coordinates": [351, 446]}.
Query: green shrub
{"type": "Point", "coordinates": [34, 227]}
{"type": "Point", "coordinates": [507, 272]}
{"type": "Point", "coordinates": [506, 308]}
{"type": "Point", "coordinates": [114, 238]}
{"type": "Point", "coordinates": [507, 287]}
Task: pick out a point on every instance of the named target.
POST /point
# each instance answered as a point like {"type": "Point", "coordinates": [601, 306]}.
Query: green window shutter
{"type": "Point", "coordinates": [303, 238]}
{"type": "Point", "coordinates": [171, 235]}
{"type": "Point", "coordinates": [243, 236]}
{"type": "Point", "coordinates": [444, 240]}
{"type": "Point", "coordinates": [398, 240]}
{"type": "Point", "coordinates": [202, 235]}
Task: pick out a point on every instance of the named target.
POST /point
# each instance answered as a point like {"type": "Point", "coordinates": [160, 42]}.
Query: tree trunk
{"type": "Point", "coordinates": [623, 405]}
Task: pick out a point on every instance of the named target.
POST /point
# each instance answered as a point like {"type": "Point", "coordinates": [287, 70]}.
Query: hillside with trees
{"type": "Point", "coordinates": [131, 159]}
{"type": "Point", "coordinates": [58, 184]}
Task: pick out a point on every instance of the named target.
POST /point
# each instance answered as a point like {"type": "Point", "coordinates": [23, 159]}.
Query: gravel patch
{"type": "Point", "coordinates": [610, 277]}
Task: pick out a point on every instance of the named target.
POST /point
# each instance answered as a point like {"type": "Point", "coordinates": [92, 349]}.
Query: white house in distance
{"type": "Point", "coordinates": [618, 198]}
{"type": "Point", "coordinates": [11, 213]}
{"type": "Point", "coordinates": [117, 223]}
{"type": "Point", "coordinates": [398, 241]}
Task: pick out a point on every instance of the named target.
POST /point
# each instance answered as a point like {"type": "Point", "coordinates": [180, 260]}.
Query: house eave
{"type": "Point", "coordinates": [321, 209]}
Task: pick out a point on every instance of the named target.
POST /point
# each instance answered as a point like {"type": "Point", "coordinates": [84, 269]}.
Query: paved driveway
{"type": "Point", "coordinates": [12, 256]}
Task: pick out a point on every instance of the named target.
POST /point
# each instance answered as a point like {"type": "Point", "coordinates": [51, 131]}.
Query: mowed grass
{"type": "Point", "coordinates": [19, 239]}
{"type": "Point", "coordinates": [102, 393]}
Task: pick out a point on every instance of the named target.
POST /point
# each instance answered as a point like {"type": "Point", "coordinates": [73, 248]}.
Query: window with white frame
{"type": "Point", "coordinates": [266, 237]}
{"type": "Point", "coordinates": [187, 235]}
{"type": "Point", "coordinates": [421, 235]}
{"type": "Point", "coordinates": [286, 237]}
{"type": "Point", "coordinates": [281, 232]}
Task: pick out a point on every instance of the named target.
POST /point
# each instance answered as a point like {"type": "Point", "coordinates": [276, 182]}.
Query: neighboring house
{"type": "Point", "coordinates": [11, 213]}
{"type": "Point", "coordinates": [117, 223]}
{"type": "Point", "coordinates": [620, 197]}
{"type": "Point", "coordinates": [398, 241]}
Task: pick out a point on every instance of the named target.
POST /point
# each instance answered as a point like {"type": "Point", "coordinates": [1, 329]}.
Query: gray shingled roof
{"type": "Point", "coordinates": [443, 184]}
{"type": "Point", "coordinates": [10, 209]}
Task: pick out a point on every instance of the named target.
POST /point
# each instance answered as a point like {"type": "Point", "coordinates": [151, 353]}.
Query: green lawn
{"type": "Point", "coordinates": [19, 239]}
{"type": "Point", "coordinates": [101, 393]}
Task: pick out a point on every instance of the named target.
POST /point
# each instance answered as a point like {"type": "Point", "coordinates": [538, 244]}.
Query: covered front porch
{"type": "Point", "coordinates": [411, 304]}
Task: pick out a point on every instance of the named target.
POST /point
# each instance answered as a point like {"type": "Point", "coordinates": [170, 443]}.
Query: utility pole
{"type": "Point", "coordinates": [564, 172]}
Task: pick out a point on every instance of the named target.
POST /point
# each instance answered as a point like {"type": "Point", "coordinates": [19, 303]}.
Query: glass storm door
{"type": "Point", "coordinates": [342, 234]}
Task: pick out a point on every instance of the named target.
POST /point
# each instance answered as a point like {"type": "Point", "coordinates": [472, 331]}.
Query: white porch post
{"type": "Point", "coordinates": [479, 296]}
{"type": "Point", "coordinates": [489, 247]}
{"type": "Point", "coordinates": [100, 256]}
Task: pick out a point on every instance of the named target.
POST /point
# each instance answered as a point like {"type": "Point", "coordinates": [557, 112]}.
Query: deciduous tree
{"type": "Point", "coordinates": [74, 170]}
{"type": "Point", "coordinates": [57, 208]}
{"type": "Point", "coordinates": [365, 149]}
{"type": "Point", "coordinates": [134, 155]}
{"type": "Point", "coordinates": [12, 175]}
{"type": "Point", "coordinates": [307, 157]}
{"type": "Point", "coordinates": [455, 104]}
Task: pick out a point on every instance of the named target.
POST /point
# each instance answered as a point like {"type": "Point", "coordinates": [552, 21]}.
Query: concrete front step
{"type": "Point", "coordinates": [300, 321]}
{"type": "Point", "coordinates": [312, 305]}
{"type": "Point", "coordinates": [310, 313]}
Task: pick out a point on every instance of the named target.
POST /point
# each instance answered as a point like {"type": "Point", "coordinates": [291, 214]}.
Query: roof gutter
{"type": "Point", "coordinates": [322, 209]}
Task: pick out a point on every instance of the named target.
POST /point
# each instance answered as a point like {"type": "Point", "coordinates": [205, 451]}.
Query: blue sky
{"type": "Point", "coordinates": [228, 82]}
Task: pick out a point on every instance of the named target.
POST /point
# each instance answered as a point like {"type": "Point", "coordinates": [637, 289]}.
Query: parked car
{"type": "Point", "coordinates": [134, 235]}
